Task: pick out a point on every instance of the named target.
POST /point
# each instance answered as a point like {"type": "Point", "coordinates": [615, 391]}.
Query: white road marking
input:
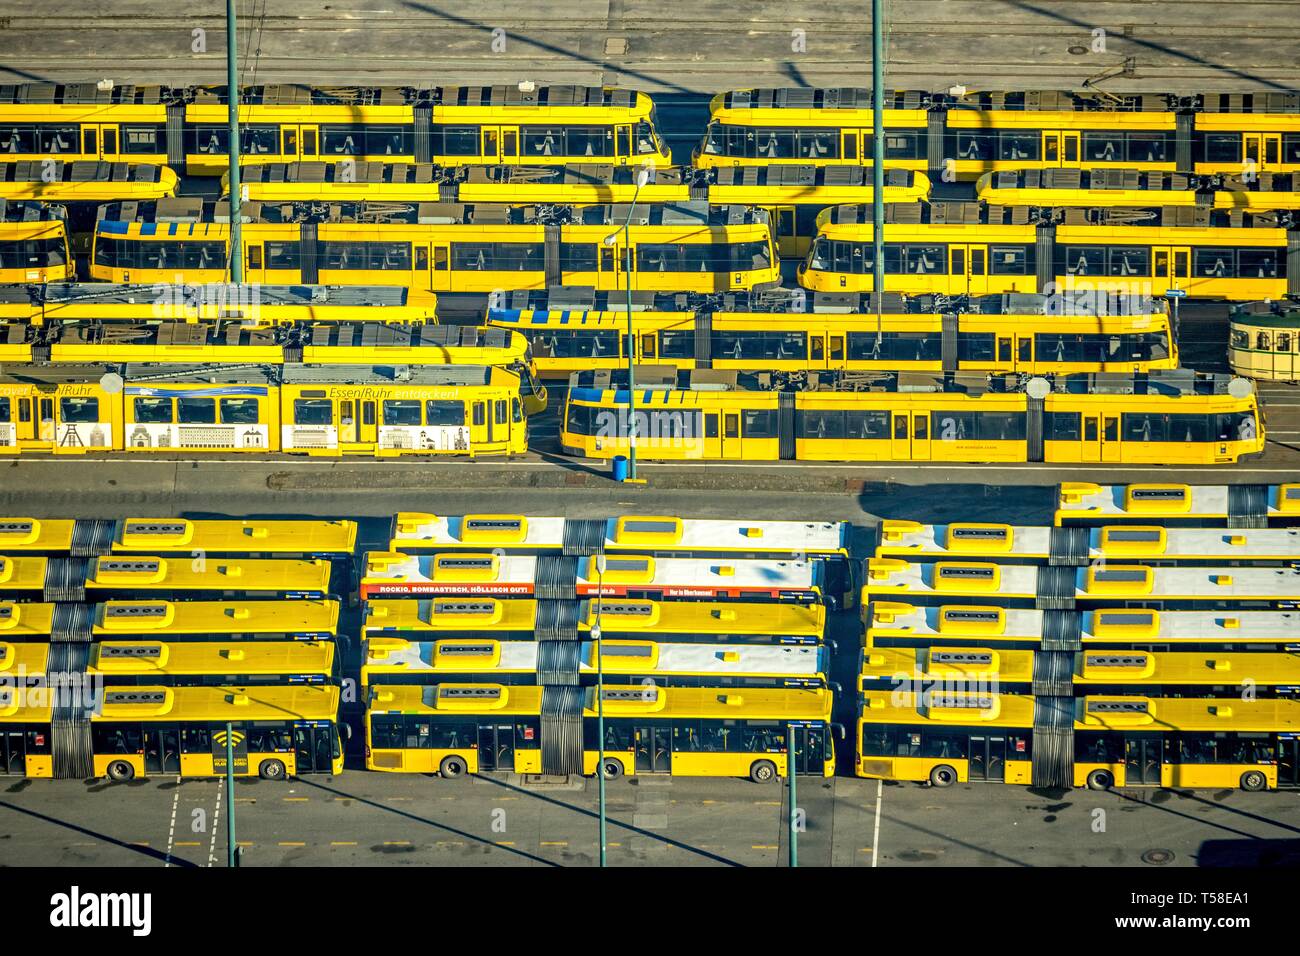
{"type": "Point", "coordinates": [171, 830]}
{"type": "Point", "coordinates": [216, 815]}
{"type": "Point", "coordinates": [875, 834]}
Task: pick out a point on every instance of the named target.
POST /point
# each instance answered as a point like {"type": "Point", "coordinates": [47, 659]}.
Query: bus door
{"type": "Point", "coordinates": [1264, 149]}
{"type": "Point", "coordinates": [496, 747]}
{"type": "Point", "coordinates": [653, 748]}
{"type": "Point", "coordinates": [1288, 760]}
{"type": "Point", "coordinates": [162, 749]}
{"type": "Point", "coordinates": [13, 752]}
{"type": "Point", "coordinates": [988, 758]}
{"type": "Point", "coordinates": [313, 747]}
{"type": "Point", "coordinates": [1143, 758]}
{"type": "Point", "coordinates": [811, 743]}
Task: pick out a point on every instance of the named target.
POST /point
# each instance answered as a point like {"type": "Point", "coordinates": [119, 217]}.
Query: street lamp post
{"type": "Point", "coordinates": [642, 177]}
{"type": "Point", "coordinates": [600, 699]}
{"type": "Point", "coordinates": [232, 94]}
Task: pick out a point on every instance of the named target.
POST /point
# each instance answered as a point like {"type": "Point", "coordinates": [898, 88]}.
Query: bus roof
{"type": "Point", "coordinates": [20, 660]}
{"type": "Point", "coordinates": [1117, 542]}
{"type": "Point", "coordinates": [22, 573]}
{"type": "Point", "coordinates": [616, 616]}
{"type": "Point", "coordinates": [1099, 582]}
{"type": "Point", "coordinates": [154, 573]}
{"type": "Point", "coordinates": [304, 617]}
{"type": "Point", "coordinates": [961, 664]}
{"type": "Point", "coordinates": [639, 533]}
{"type": "Point", "coordinates": [482, 573]}
{"type": "Point", "coordinates": [1104, 625]}
{"type": "Point", "coordinates": [167, 535]}
{"type": "Point", "coordinates": [394, 655]}
{"type": "Point", "coordinates": [236, 704]}
{"type": "Point", "coordinates": [18, 705]}
{"type": "Point", "coordinates": [26, 619]}
{"type": "Point", "coordinates": [137, 658]}
{"type": "Point", "coordinates": [1082, 501]}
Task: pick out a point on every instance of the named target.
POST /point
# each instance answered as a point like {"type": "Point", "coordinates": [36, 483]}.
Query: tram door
{"type": "Point", "coordinates": [911, 436]}
{"type": "Point", "coordinates": [1143, 758]}
{"type": "Point", "coordinates": [1263, 149]}
{"type": "Point", "coordinates": [988, 758]}
{"type": "Point", "coordinates": [652, 744]}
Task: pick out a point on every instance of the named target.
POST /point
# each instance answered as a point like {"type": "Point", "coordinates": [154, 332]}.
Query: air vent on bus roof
{"type": "Point", "coordinates": [1115, 660]}
{"type": "Point", "coordinates": [626, 564]}
{"type": "Point", "coordinates": [971, 702]}
{"type": "Point", "coordinates": [134, 697]}
{"type": "Point", "coordinates": [463, 607]}
{"type": "Point", "coordinates": [1126, 618]}
{"type": "Point", "coordinates": [117, 564]}
{"type": "Point", "coordinates": [1134, 534]}
{"type": "Point", "coordinates": [154, 527]}
{"type": "Point", "coordinates": [491, 524]}
{"type": "Point", "coordinates": [448, 692]}
{"type": "Point", "coordinates": [647, 693]}
{"type": "Point", "coordinates": [642, 525]}
{"type": "Point", "coordinates": [135, 610]}
{"type": "Point", "coordinates": [1158, 494]}
{"type": "Point", "coordinates": [1121, 574]}
{"type": "Point", "coordinates": [1135, 706]}
{"type": "Point", "coordinates": [947, 571]}
{"type": "Point", "coordinates": [999, 534]}
{"type": "Point", "coordinates": [445, 562]}
{"type": "Point", "coordinates": [961, 657]}
{"type": "Point", "coordinates": [628, 610]}
{"type": "Point", "coordinates": [475, 649]}
{"type": "Point", "coordinates": [15, 527]}
{"type": "Point", "coordinates": [131, 650]}
{"type": "Point", "coordinates": [991, 615]}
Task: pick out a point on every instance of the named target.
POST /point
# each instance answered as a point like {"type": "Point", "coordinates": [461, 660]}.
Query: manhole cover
{"type": "Point", "coordinates": [1157, 857]}
{"type": "Point", "coordinates": [1078, 50]}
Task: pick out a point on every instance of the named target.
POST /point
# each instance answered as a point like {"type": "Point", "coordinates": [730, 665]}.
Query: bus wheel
{"type": "Point", "coordinates": [271, 770]}
{"type": "Point", "coordinates": [613, 769]}
{"type": "Point", "coordinates": [1253, 780]}
{"type": "Point", "coordinates": [120, 770]}
{"type": "Point", "coordinates": [452, 767]}
{"type": "Point", "coordinates": [1100, 780]}
{"type": "Point", "coordinates": [943, 776]}
{"type": "Point", "coordinates": [763, 771]}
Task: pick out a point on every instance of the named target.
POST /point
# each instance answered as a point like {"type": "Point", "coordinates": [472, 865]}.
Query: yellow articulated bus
{"type": "Point", "coordinates": [443, 247]}
{"type": "Point", "coordinates": [1051, 189]}
{"type": "Point", "coordinates": [35, 578]}
{"type": "Point", "coordinates": [894, 624]}
{"type": "Point", "coordinates": [964, 256]}
{"type": "Point", "coordinates": [980, 132]}
{"type": "Point", "coordinates": [151, 662]}
{"type": "Point", "coordinates": [173, 621]}
{"type": "Point", "coordinates": [982, 582]}
{"type": "Point", "coordinates": [1095, 671]}
{"type": "Point", "coordinates": [704, 622]}
{"type": "Point", "coordinates": [212, 536]}
{"type": "Point", "coordinates": [742, 337]}
{"type": "Point", "coordinates": [246, 306]}
{"type": "Point", "coordinates": [124, 733]}
{"type": "Point", "coordinates": [791, 195]}
{"type": "Point", "coordinates": [299, 409]}
{"type": "Point", "coordinates": [1151, 420]}
{"type": "Point", "coordinates": [395, 660]}
{"type": "Point", "coordinates": [1264, 342]}
{"type": "Point", "coordinates": [1179, 505]}
{"type": "Point", "coordinates": [454, 729]}
{"type": "Point", "coordinates": [1150, 544]}
{"type": "Point", "coordinates": [1094, 741]}
{"type": "Point", "coordinates": [188, 128]}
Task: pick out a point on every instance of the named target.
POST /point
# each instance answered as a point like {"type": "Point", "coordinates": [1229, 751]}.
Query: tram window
{"type": "Point", "coordinates": [1213, 263]}
{"type": "Point", "coordinates": [715, 139]}
{"type": "Point", "coordinates": [747, 256]}
{"type": "Point", "coordinates": [975, 144]}
{"type": "Point", "coordinates": [543, 140]}
{"type": "Point", "coordinates": [577, 257]}
{"type": "Point", "coordinates": [400, 412]}
{"type": "Point", "coordinates": [59, 139]}
{"type": "Point", "coordinates": [1008, 260]}
{"type": "Point", "coordinates": [283, 255]}
{"type": "Point", "coordinates": [502, 411]}
{"type": "Point", "coordinates": [1085, 260]}
{"type": "Point", "coordinates": [456, 140]}
{"type": "Point", "coordinates": [480, 414]}
{"type": "Point", "coordinates": [1283, 343]}
{"type": "Point", "coordinates": [1144, 426]}
{"type": "Point", "coordinates": [925, 260]}
{"type": "Point", "coordinates": [312, 411]}
{"type": "Point", "coordinates": [153, 411]}
{"type": "Point", "coordinates": [1090, 429]}
{"type": "Point", "coordinates": [1148, 147]}
{"type": "Point", "coordinates": [975, 346]}
{"type": "Point", "coordinates": [1262, 342]}
{"type": "Point", "coordinates": [1290, 147]}
{"type": "Point", "coordinates": [239, 411]}
{"type": "Point", "coordinates": [676, 344]}
{"type": "Point", "coordinates": [498, 256]}
{"type": "Point", "coordinates": [775, 144]}
{"type": "Point", "coordinates": [196, 411]}
{"type": "Point", "coordinates": [1240, 339]}
{"type": "Point", "coordinates": [1061, 426]}
{"type": "Point", "coordinates": [1235, 426]}
{"type": "Point", "coordinates": [900, 426]}
{"type": "Point", "coordinates": [211, 140]}
{"type": "Point", "coordinates": [1257, 263]}
{"type": "Point", "coordinates": [342, 140]}
{"type": "Point", "coordinates": [259, 140]}
{"type": "Point", "coordinates": [589, 141]}
{"type": "Point", "coordinates": [144, 139]}
{"type": "Point", "coordinates": [18, 139]}
{"type": "Point", "coordinates": [866, 423]}
{"type": "Point", "coordinates": [823, 254]}
{"type": "Point", "coordinates": [1187, 428]}
{"type": "Point", "coordinates": [1103, 147]}
{"type": "Point", "coordinates": [1222, 148]}
{"type": "Point", "coordinates": [6, 411]}
{"type": "Point", "coordinates": [759, 424]}
{"type": "Point", "coordinates": [904, 144]}
{"type": "Point", "coordinates": [811, 423]}
{"type": "Point", "coordinates": [819, 143]}
{"type": "Point", "coordinates": [658, 257]}
{"type": "Point", "coordinates": [645, 139]}
{"type": "Point", "coordinates": [79, 409]}
{"type": "Point", "coordinates": [1130, 261]}
{"type": "Point", "coordinates": [1018, 145]}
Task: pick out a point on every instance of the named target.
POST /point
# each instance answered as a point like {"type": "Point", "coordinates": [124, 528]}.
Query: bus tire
{"type": "Point", "coordinates": [120, 770]}
{"type": "Point", "coordinates": [1100, 780]}
{"type": "Point", "coordinates": [1254, 781]}
{"type": "Point", "coordinates": [762, 771]}
{"type": "Point", "coordinates": [943, 776]}
{"type": "Point", "coordinates": [452, 767]}
{"type": "Point", "coordinates": [613, 769]}
{"type": "Point", "coordinates": [271, 770]}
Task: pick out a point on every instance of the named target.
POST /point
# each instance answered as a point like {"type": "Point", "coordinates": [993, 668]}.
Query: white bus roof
{"type": "Point", "coordinates": [1078, 500]}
